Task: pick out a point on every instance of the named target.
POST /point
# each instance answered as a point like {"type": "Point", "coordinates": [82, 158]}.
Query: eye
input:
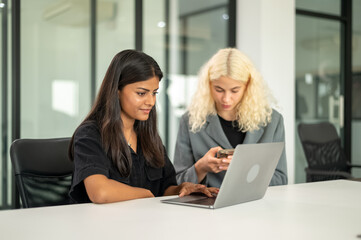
{"type": "Point", "coordinates": [235, 91]}
{"type": "Point", "coordinates": [141, 93]}
{"type": "Point", "coordinates": [155, 93]}
{"type": "Point", "coordinates": [219, 90]}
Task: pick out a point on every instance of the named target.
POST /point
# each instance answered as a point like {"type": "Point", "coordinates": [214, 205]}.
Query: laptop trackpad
{"type": "Point", "coordinates": [195, 198]}
{"type": "Point", "coordinates": [204, 201]}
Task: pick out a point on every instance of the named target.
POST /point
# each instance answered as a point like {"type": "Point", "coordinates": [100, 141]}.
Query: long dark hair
{"type": "Point", "coordinates": [128, 66]}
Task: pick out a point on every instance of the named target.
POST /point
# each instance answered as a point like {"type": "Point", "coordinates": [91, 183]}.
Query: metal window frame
{"type": "Point", "coordinates": [4, 105]}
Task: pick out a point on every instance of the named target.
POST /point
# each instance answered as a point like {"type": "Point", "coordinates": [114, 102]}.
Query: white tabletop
{"type": "Point", "coordinates": [323, 210]}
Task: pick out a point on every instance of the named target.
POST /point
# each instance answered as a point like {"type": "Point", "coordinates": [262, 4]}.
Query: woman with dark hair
{"type": "Point", "coordinates": [117, 152]}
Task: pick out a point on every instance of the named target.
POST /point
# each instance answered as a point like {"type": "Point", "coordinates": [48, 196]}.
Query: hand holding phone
{"type": "Point", "coordinates": [224, 153]}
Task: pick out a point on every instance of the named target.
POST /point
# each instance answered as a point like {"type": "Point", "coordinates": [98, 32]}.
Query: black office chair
{"type": "Point", "coordinates": [324, 154]}
{"type": "Point", "coordinates": [43, 171]}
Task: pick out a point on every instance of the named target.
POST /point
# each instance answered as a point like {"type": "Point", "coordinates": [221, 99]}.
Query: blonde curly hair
{"type": "Point", "coordinates": [253, 110]}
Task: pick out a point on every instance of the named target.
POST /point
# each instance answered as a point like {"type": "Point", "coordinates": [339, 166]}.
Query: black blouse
{"type": "Point", "coordinates": [233, 134]}
{"type": "Point", "coordinates": [90, 159]}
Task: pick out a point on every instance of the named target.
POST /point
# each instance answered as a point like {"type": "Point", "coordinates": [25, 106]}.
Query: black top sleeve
{"type": "Point", "coordinates": [89, 159]}
{"type": "Point", "coordinates": [169, 175]}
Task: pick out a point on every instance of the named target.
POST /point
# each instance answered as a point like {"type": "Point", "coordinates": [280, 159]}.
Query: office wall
{"type": "Point", "coordinates": [265, 32]}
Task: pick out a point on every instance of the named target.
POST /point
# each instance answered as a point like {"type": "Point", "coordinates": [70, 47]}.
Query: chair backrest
{"type": "Point", "coordinates": [322, 148]}
{"type": "Point", "coordinates": [43, 171]}
{"type": "Point", "coordinates": [317, 132]}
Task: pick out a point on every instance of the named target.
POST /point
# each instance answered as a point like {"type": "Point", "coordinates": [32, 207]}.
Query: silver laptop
{"type": "Point", "coordinates": [246, 179]}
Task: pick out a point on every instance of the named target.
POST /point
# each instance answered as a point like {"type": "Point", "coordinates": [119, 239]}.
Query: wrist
{"type": "Point", "coordinates": [200, 171]}
{"type": "Point", "coordinates": [149, 193]}
{"type": "Point", "coordinates": [179, 188]}
{"type": "Point", "coordinates": [200, 167]}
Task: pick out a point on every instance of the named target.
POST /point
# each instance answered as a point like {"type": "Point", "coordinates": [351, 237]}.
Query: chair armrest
{"type": "Point", "coordinates": [328, 173]}
{"type": "Point", "coordinates": [353, 165]}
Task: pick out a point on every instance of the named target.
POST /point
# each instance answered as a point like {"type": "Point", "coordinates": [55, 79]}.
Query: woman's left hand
{"type": "Point", "coordinates": [187, 188]}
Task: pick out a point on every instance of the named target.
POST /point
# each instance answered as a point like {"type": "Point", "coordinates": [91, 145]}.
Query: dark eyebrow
{"type": "Point", "coordinates": [147, 90]}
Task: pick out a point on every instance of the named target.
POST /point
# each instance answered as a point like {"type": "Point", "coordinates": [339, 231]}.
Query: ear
{"type": "Point", "coordinates": [119, 93]}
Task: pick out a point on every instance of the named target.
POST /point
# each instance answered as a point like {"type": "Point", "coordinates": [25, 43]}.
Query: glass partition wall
{"type": "Point", "coordinates": [356, 85]}
{"type": "Point", "coordinates": [55, 67]}
{"type": "Point", "coordinates": [318, 77]}
{"type": "Point", "coordinates": [202, 29]}
{"type": "Point", "coordinates": [327, 40]}
{"type": "Point", "coordinates": [3, 145]}
{"type": "Point", "coordinates": [65, 48]}
{"type": "Point", "coordinates": [6, 178]}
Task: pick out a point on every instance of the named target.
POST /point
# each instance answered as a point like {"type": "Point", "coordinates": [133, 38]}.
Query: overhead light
{"type": "Point", "coordinates": [2, 5]}
{"type": "Point", "coordinates": [225, 16]}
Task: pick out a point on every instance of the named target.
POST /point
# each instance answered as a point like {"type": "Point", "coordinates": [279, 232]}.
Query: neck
{"type": "Point", "coordinates": [128, 123]}
{"type": "Point", "coordinates": [228, 115]}
{"type": "Point", "coordinates": [128, 127]}
{"type": "Point", "coordinates": [128, 130]}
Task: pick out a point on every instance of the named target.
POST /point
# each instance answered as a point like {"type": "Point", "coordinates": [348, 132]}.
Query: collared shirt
{"type": "Point", "coordinates": [90, 158]}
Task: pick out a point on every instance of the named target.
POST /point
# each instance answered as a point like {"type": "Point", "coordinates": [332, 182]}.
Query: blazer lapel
{"type": "Point", "coordinates": [254, 136]}
{"type": "Point", "coordinates": [215, 131]}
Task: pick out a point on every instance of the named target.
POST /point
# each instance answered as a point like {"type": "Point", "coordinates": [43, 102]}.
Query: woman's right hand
{"type": "Point", "coordinates": [210, 163]}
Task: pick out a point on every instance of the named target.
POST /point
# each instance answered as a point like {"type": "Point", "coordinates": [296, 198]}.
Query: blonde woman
{"type": "Point", "coordinates": [231, 106]}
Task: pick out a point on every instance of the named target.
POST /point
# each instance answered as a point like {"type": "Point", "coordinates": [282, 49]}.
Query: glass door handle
{"type": "Point", "coordinates": [331, 107]}
{"type": "Point", "coordinates": [340, 110]}
{"type": "Point", "coordinates": [331, 114]}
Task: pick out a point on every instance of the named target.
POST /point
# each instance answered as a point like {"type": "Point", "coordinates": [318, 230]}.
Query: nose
{"type": "Point", "coordinates": [226, 97]}
{"type": "Point", "coordinates": [150, 100]}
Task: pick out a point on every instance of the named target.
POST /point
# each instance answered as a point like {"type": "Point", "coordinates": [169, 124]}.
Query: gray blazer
{"type": "Point", "coordinates": [190, 147]}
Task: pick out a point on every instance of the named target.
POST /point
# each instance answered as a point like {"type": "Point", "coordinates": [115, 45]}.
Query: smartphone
{"type": "Point", "coordinates": [224, 153]}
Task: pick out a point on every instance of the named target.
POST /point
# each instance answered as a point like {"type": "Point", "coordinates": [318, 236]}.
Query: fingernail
{"type": "Point", "coordinates": [220, 167]}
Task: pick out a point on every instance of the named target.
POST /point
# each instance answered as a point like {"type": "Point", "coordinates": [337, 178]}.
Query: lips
{"type": "Point", "coordinates": [224, 106]}
{"type": "Point", "coordinates": [146, 111]}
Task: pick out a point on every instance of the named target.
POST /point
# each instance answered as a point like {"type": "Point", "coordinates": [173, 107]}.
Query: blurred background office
{"type": "Point", "coordinates": [54, 54]}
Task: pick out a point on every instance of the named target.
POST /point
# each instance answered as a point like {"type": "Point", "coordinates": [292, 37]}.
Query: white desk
{"type": "Point", "coordinates": [324, 210]}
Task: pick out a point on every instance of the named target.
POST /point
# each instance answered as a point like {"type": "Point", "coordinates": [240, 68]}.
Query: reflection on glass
{"type": "Point", "coordinates": [204, 35]}
{"type": "Point", "coordinates": [356, 60]}
{"type": "Point", "coordinates": [115, 32]}
{"type": "Point", "coordinates": [323, 6]}
{"type": "Point", "coordinates": [317, 68]}
{"type": "Point", "coordinates": [54, 45]}
{"type": "Point", "coordinates": [65, 97]}
{"type": "Point", "coordinates": [197, 31]}
{"type": "Point", "coordinates": [317, 77]}
{"type": "Point", "coordinates": [154, 32]}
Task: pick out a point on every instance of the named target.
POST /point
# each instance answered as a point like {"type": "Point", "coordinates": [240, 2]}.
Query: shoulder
{"type": "Point", "coordinates": [87, 129]}
{"type": "Point", "coordinates": [186, 124]}
{"type": "Point", "coordinates": [184, 121]}
{"type": "Point", "coordinates": [276, 116]}
{"type": "Point", "coordinates": [275, 122]}
{"type": "Point", "coordinates": [185, 118]}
